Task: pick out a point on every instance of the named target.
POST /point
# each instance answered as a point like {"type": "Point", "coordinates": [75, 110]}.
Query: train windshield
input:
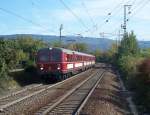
{"type": "Point", "coordinates": [55, 56]}
{"type": "Point", "coordinates": [44, 56]}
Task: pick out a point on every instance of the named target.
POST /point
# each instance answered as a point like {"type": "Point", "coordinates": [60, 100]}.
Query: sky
{"type": "Point", "coordinates": [88, 18]}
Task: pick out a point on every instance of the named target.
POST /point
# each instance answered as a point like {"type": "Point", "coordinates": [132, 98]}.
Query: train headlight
{"type": "Point", "coordinates": [41, 68]}
{"type": "Point", "coordinates": [58, 67]}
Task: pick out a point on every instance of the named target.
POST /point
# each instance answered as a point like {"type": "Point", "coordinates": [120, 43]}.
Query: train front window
{"type": "Point", "coordinates": [44, 58]}
{"type": "Point", "coordinates": [56, 56]}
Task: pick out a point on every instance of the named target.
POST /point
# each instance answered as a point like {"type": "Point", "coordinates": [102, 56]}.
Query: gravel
{"type": "Point", "coordinates": [107, 98]}
{"type": "Point", "coordinates": [33, 104]}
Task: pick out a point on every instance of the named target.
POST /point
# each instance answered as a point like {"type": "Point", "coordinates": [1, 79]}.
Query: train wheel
{"type": "Point", "coordinates": [59, 78]}
{"type": "Point", "coordinates": [64, 76]}
{"type": "Point", "coordinates": [67, 75]}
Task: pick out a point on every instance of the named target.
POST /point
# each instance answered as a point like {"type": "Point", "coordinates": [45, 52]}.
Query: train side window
{"type": "Point", "coordinates": [68, 58]}
{"type": "Point", "coordinates": [77, 58]}
{"type": "Point", "coordinates": [71, 58]}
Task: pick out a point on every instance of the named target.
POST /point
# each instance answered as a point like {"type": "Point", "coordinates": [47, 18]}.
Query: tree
{"type": "Point", "coordinates": [56, 44]}
{"type": "Point", "coordinates": [97, 54]}
{"type": "Point", "coordinates": [4, 56]}
{"type": "Point", "coordinates": [81, 47]}
{"type": "Point", "coordinates": [7, 54]}
{"type": "Point", "coordinates": [129, 45]}
{"type": "Point", "coordinates": [143, 84]}
{"type": "Point", "coordinates": [29, 46]}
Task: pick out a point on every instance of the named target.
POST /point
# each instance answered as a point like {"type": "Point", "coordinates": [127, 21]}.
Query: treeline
{"type": "Point", "coordinates": [20, 52]}
{"type": "Point", "coordinates": [134, 66]}
{"type": "Point", "coordinates": [81, 47]}
{"type": "Point", "coordinates": [16, 52]}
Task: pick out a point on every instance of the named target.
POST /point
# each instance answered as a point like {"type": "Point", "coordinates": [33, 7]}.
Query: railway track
{"type": "Point", "coordinates": [32, 101]}
{"type": "Point", "coordinates": [73, 101]}
{"type": "Point", "coordinates": [21, 93]}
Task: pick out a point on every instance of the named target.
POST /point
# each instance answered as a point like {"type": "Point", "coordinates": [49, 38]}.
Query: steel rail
{"type": "Point", "coordinates": [54, 105]}
{"type": "Point", "coordinates": [20, 91]}
{"type": "Point", "coordinates": [77, 112]}
{"type": "Point", "coordinates": [3, 107]}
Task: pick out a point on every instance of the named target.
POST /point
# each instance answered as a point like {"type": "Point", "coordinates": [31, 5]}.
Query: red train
{"type": "Point", "coordinates": [62, 63]}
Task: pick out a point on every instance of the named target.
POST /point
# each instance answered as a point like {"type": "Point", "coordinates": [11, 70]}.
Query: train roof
{"type": "Point", "coordinates": [76, 52]}
{"type": "Point", "coordinates": [71, 51]}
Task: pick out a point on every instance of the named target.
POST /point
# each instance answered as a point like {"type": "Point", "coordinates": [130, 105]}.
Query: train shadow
{"type": "Point", "coordinates": [24, 78]}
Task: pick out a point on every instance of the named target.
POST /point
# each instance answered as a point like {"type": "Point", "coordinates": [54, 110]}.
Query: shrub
{"type": "Point", "coordinates": [143, 84]}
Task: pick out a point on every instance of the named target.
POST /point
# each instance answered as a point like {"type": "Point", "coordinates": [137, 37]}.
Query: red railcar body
{"type": "Point", "coordinates": [62, 62]}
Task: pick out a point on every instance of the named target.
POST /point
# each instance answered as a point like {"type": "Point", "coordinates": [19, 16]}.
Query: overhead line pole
{"type": "Point", "coordinates": [125, 18]}
{"type": "Point", "coordinates": [60, 29]}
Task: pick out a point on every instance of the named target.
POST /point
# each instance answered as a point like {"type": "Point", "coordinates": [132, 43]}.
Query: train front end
{"type": "Point", "coordinates": [49, 61]}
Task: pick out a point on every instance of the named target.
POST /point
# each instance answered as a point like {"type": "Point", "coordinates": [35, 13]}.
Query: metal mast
{"type": "Point", "coordinates": [125, 18]}
{"type": "Point", "coordinates": [60, 29]}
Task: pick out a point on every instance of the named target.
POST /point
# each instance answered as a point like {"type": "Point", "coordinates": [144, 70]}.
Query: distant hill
{"type": "Point", "coordinates": [93, 43]}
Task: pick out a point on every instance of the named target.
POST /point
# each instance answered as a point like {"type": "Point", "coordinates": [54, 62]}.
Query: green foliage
{"type": "Point", "coordinates": [3, 70]}
{"type": "Point", "coordinates": [110, 55]}
{"type": "Point", "coordinates": [56, 44]}
{"type": "Point", "coordinates": [127, 65]}
{"type": "Point", "coordinates": [21, 55]}
{"type": "Point", "coordinates": [7, 54]}
{"type": "Point", "coordinates": [12, 51]}
{"type": "Point", "coordinates": [128, 55]}
{"type": "Point", "coordinates": [81, 47]}
{"type": "Point", "coordinates": [97, 54]}
{"type": "Point", "coordinates": [142, 84]}
{"type": "Point", "coordinates": [136, 76]}
{"type": "Point", "coordinates": [29, 45]}
{"type": "Point", "coordinates": [129, 45]}
{"type": "Point", "coordinates": [145, 52]}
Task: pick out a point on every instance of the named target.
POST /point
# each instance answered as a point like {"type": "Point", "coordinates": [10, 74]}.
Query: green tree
{"type": "Point", "coordinates": [97, 54]}
{"type": "Point", "coordinates": [81, 47]}
{"type": "Point", "coordinates": [4, 56]}
{"type": "Point", "coordinates": [21, 55]}
{"type": "Point", "coordinates": [129, 45]}
{"type": "Point", "coordinates": [56, 44]}
{"type": "Point", "coordinates": [7, 54]}
{"type": "Point", "coordinates": [29, 46]}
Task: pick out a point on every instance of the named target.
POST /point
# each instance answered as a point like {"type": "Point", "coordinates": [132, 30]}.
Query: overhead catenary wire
{"type": "Point", "coordinates": [114, 11]}
{"type": "Point", "coordinates": [74, 14]}
{"type": "Point", "coordinates": [25, 19]}
{"type": "Point", "coordinates": [87, 11]}
{"type": "Point", "coordinates": [37, 6]}
{"type": "Point", "coordinates": [133, 3]}
{"type": "Point", "coordinates": [140, 5]}
{"type": "Point", "coordinates": [138, 9]}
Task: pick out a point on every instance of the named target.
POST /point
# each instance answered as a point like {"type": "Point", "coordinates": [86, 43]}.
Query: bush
{"type": "Point", "coordinates": [143, 84]}
{"type": "Point", "coordinates": [127, 65]}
